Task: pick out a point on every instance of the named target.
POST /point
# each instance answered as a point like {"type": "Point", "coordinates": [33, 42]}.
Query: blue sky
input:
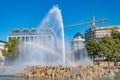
{"type": "Point", "coordinates": [29, 13]}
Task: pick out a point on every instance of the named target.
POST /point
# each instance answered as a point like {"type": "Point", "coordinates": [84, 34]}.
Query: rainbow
{"type": "Point", "coordinates": [52, 51]}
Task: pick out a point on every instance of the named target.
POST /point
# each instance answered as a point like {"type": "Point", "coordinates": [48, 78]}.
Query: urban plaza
{"type": "Point", "coordinates": [40, 40]}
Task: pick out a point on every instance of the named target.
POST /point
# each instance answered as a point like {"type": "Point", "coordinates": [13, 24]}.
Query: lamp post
{"type": "Point", "coordinates": [108, 65]}
{"type": "Point", "coordinates": [92, 60]}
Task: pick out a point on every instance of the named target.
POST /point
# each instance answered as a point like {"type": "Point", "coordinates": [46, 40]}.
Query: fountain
{"type": "Point", "coordinates": [47, 46]}
{"type": "Point", "coordinates": [47, 49]}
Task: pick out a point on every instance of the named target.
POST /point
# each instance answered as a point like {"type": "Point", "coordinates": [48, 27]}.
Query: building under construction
{"type": "Point", "coordinates": [99, 32]}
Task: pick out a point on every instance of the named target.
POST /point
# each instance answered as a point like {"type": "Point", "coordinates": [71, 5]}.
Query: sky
{"type": "Point", "coordinates": [30, 13]}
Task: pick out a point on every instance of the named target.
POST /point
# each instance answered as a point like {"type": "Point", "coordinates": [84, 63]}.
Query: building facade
{"type": "Point", "coordinates": [31, 34]}
{"type": "Point", "coordinates": [78, 46]}
{"type": "Point", "coordinates": [100, 32]}
{"type": "Point", "coordinates": [2, 43]}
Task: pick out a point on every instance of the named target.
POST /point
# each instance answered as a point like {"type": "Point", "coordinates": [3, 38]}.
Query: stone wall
{"type": "Point", "coordinates": [69, 73]}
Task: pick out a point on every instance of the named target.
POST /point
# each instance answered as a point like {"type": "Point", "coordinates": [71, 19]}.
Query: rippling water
{"type": "Point", "coordinates": [10, 77]}
{"type": "Point", "coordinates": [7, 77]}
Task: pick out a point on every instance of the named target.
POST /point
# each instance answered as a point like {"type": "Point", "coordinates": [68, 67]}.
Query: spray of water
{"type": "Point", "coordinates": [47, 47]}
{"type": "Point", "coordinates": [54, 20]}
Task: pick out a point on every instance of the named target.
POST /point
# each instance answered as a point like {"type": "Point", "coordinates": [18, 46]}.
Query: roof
{"type": "Point", "coordinates": [2, 41]}
{"type": "Point", "coordinates": [78, 34]}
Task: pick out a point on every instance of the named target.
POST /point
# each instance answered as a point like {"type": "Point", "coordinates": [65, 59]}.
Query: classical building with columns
{"type": "Point", "coordinates": [31, 34]}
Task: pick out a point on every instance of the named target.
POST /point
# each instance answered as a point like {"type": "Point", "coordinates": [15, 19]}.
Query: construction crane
{"type": "Point", "coordinates": [93, 22]}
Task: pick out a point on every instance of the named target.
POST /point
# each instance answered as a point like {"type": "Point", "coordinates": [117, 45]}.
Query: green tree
{"type": "Point", "coordinates": [109, 46]}
{"type": "Point", "coordinates": [93, 47]}
{"type": "Point", "coordinates": [10, 51]}
{"type": "Point", "coordinates": [116, 36]}
{"type": "Point", "coordinates": [11, 48]}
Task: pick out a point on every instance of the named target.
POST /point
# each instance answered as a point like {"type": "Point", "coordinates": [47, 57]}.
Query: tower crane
{"type": "Point", "coordinates": [93, 22]}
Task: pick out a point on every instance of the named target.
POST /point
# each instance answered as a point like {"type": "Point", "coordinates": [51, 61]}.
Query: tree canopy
{"type": "Point", "coordinates": [92, 47]}
{"type": "Point", "coordinates": [11, 48]}
{"type": "Point", "coordinates": [108, 45]}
